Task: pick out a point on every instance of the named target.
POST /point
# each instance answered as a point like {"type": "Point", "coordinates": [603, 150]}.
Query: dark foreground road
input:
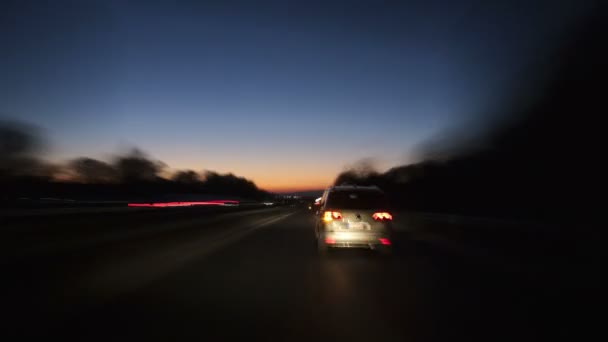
{"type": "Point", "coordinates": [189, 274]}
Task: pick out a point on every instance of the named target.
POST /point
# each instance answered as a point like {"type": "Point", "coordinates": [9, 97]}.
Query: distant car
{"type": "Point", "coordinates": [353, 217]}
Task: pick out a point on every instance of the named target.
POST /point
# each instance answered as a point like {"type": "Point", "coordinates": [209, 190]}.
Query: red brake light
{"type": "Point", "coordinates": [330, 241]}
{"type": "Point", "coordinates": [332, 215]}
{"type": "Point", "coordinates": [380, 216]}
{"type": "Point", "coordinates": [384, 241]}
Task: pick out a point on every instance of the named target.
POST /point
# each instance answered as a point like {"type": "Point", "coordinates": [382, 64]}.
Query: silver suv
{"type": "Point", "coordinates": [353, 216]}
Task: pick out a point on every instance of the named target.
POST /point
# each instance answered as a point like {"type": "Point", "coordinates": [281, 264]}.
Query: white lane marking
{"type": "Point", "coordinates": [144, 268]}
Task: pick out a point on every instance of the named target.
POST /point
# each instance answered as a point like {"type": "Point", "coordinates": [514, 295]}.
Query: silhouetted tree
{"type": "Point", "coordinates": [186, 177]}
{"type": "Point", "coordinates": [347, 177]}
{"type": "Point", "coordinates": [540, 160]}
{"type": "Point", "coordinates": [93, 171]}
{"type": "Point", "coordinates": [136, 167]}
{"type": "Point", "coordinates": [20, 144]}
{"type": "Point", "coordinates": [362, 172]}
{"type": "Point", "coordinates": [18, 139]}
{"type": "Point", "coordinates": [229, 183]}
{"type": "Point", "coordinates": [131, 175]}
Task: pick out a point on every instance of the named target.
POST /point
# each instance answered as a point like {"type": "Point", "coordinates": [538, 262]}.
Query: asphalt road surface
{"type": "Point", "coordinates": [194, 274]}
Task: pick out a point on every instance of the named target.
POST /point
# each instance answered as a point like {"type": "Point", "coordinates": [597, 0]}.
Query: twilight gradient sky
{"type": "Point", "coordinates": [286, 93]}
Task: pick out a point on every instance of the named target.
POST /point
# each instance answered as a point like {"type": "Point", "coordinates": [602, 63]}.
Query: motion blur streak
{"type": "Point", "coordinates": [156, 260]}
{"type": "Point", "coordinates": [183, 204]}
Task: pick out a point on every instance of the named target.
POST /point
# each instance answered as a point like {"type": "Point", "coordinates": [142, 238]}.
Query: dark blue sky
{"type": "Point", "coordinates": [286, 93]}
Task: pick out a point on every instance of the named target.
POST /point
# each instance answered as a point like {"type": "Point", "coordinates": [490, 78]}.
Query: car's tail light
{"type": "Point", "coordinates": [382, 216]}
{"type": "Point", "coordinates": [384, 241]}
{"type": "Point", "coordinates": [332, 215]}
{"type": "Point", "coordinates": [330, 241]}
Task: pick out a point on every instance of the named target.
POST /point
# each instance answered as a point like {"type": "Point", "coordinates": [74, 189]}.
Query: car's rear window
{"type": "Point", "coordinates": [357, 200]}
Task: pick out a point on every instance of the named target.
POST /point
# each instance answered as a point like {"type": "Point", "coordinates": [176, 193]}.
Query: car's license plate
{"type": "Point", "coordinates": [355, 225]}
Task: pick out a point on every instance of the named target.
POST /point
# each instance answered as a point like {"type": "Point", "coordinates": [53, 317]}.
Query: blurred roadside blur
{"type": "Point", "coordinates": [25, 175]}
{"type": "Point", "coordinates": [541, 161]}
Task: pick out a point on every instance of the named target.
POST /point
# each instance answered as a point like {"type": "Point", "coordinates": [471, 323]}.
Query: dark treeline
{"type": "Point", "coordinates": [542, 160]}
{"type": "Point", "coordinates": [133, 175]}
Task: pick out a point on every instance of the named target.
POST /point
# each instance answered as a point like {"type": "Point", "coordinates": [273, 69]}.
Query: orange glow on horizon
{"type": "Point", "coordinates": [274, 173]}
{"type": "Point", "coordinates": [278, 181]}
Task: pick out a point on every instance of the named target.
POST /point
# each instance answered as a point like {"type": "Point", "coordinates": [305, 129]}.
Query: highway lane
{"type": "Point", "coordinates": [257, 275]}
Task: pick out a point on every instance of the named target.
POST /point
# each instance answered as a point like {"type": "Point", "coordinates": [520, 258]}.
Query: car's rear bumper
{"type": "Point", "coordinates": [356, 240]}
